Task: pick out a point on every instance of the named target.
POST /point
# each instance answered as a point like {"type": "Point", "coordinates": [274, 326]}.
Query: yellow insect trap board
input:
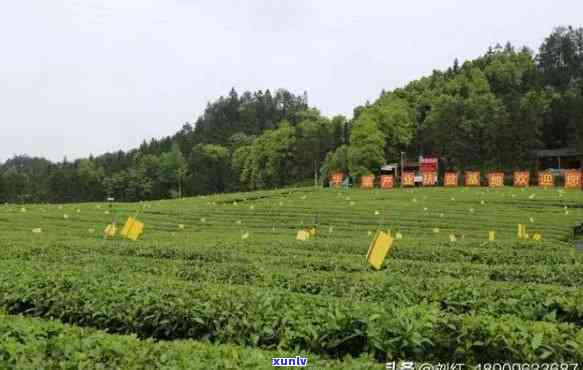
{"type": "Point", "coordinates": [110, 231]}
{"type": "Point", "coordinates": [132, 229]}
{"type": "Point", "coordinates": [522, 232]}
{"type": "Point", "coordinates": [379, 248]}
{"type": "Point", "coordinates": [303, 235]}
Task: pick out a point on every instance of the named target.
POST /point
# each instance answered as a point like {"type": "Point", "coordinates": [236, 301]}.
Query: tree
{"type": "Point", "coordinates": [335, 161]}
{"type": "Point", "coordinates": [210, 169]}
{"type": "Point", "coordinates": [365, 153]}
{"type": "Point", "coordinates": [173, 168]}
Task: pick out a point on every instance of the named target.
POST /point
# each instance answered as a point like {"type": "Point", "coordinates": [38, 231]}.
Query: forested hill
{"type": "Point", "coordinates": [487, 113]}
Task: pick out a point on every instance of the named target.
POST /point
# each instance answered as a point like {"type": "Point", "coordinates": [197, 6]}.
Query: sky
{"type": "Point", "coordinates": [81, 77]}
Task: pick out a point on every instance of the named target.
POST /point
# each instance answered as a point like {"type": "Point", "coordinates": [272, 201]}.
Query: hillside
{"type": "Point", "coordinates": [227, 269]}
{"type": "Point", "coordinates": [489, 113]}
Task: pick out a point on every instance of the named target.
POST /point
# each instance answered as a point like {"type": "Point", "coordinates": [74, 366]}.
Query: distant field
{"type": "Point", "coordinates": [234, 279]}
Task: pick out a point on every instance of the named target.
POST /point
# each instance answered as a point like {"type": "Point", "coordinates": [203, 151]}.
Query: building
{"type": "Point", "coordinates": [557, 160]}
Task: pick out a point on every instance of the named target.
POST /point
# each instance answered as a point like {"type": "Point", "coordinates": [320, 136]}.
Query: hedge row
{"type": "Point", "coordinates": [28, 343]}
{"type": "Point", "coordinates": [169, 309]}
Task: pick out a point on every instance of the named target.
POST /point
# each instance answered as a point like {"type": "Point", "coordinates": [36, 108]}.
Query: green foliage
{"type": "Point", "coordinates": [365, 153]}
{"type": "Point", "coordinates": [38, 344]}
{"type": "Point", "coordinates": [433, 300]}
{"type": "Point", "coordinates": [209, 169]}
{"type": "Point", "coordinates": [335, 161]}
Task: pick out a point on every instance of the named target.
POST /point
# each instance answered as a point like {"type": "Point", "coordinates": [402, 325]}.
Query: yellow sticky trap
{"type": "Point", "coordinates": [110, 231]}
{"type": "Point", "coordinates": [398, 236]}
{"type": "Point", "coordinates": [379, 247]}
{"type": "Point", "coordinates": [126, 228]}
{"type": "Point", "coordinates": [537, 237]}
{"type": "Point", "coordinates": [452, 238]}
{"type": "Point", "coordinates": [312, 231]}
{"type": "Point", "coordinates": [136, 230]}
{"type": "Point", "coordinates": [436, 230]}
{"type": "Point", "coordinates": [303, 235]}
{"type": "Point", "coordinates": [492, 236]}
{"type": "Point", "coordinates": [132, 229]}
{"type": "Point", "coordinates": [521, 231]}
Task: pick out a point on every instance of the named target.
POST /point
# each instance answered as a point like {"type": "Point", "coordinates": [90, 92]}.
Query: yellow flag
{"type": "Point", "coordinates": [492, 236]}
{"type": "Point", "coordinates": [379, 248]}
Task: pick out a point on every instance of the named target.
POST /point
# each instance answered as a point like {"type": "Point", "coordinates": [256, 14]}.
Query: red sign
{"type": "Point", "coordinates": [546, 179]}
{"type": "Point", "coordinates": [429, 178]}
{"type": "Point", "coordinates": [521, 178]}
{"type": "Point", "coordinates": [408, 179]}
{"type": "Point", "coordinates": [495, 179]}
{"type": "Point", "coordinates": [572, 179]}
{"type": "Point", "coordinates": [428, 165]}
{"type": "Point", "coordinates": [336, 179]}
{"type": "Point", "coordinates": [367, 182]}
{"type": "Point", "coordinates": [472, 178]}
{"type": "Point", "coordinates": [450, 179]}
{"type": "Point", "coordinates": [387, 181]}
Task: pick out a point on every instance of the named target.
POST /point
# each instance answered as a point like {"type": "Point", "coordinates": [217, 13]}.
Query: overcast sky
{"type": "Point", "coordinates": [89, 76]}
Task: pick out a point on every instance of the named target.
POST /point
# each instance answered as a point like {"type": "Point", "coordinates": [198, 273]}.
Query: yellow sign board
{"type": "Point", "coordinates": [495, 179]}
{"type": "Point", "coordinates": [521, 178]}
{"type": "Point", "coordinates": [546, 179]}
{"type": "Point", "coordinates": [367, 182]}
{"type": "Point", "coordinates": [408, 179]}
{"type": "Point", "coordinates": [450, 179]}
{"type": "Point", "coordinates": [572, 179]}
{"type": "Point", "coordinates": [379, 248]}
{"type": "Point", "coordinates": [472, 178]}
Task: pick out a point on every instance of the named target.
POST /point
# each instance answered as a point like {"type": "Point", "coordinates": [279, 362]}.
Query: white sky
{"type": "Point", "coordinates": [90, 76]}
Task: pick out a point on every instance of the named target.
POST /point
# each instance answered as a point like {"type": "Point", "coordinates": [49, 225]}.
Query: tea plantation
{"type": "Point", "coordinates": [220, 281]}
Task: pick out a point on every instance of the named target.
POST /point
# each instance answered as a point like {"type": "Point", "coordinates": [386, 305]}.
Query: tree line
{"type": "Point", "coordinates": [490, 113]}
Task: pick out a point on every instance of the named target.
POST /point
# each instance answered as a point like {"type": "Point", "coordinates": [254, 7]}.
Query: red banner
{"type": "Point", "coordinates": [521, 178]}
{"type": "Point", "coordinates": [429, 178]}
{"type": "Point", "coordinates": [546, 179]}
{"type": "Point", "coordinates": [367, 182]}
{"type": "Point", "coordinates": [428, 165]}
{"type": "Point", "coordinates": [387, 181]}
{"type": "Point", "coordinates": [472, 178]}
{"type": "Point", "coordinates": [336, 179]}
{"type": "Point", "coordinates": [572, 179]}
{"type": "Point", "coordinates": [450, 179]}
{"type": "Point", "coordinates": [495, 179]}
{"type": "Point", "coordinates": [408, 179]}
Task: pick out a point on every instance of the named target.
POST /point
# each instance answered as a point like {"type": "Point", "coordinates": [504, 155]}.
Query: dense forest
{"type": "Point", "coordinates": [487, 113]}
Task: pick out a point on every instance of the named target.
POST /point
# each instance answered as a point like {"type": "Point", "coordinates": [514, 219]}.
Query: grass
{"type": "Point", "coordinates": [226, 270]}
